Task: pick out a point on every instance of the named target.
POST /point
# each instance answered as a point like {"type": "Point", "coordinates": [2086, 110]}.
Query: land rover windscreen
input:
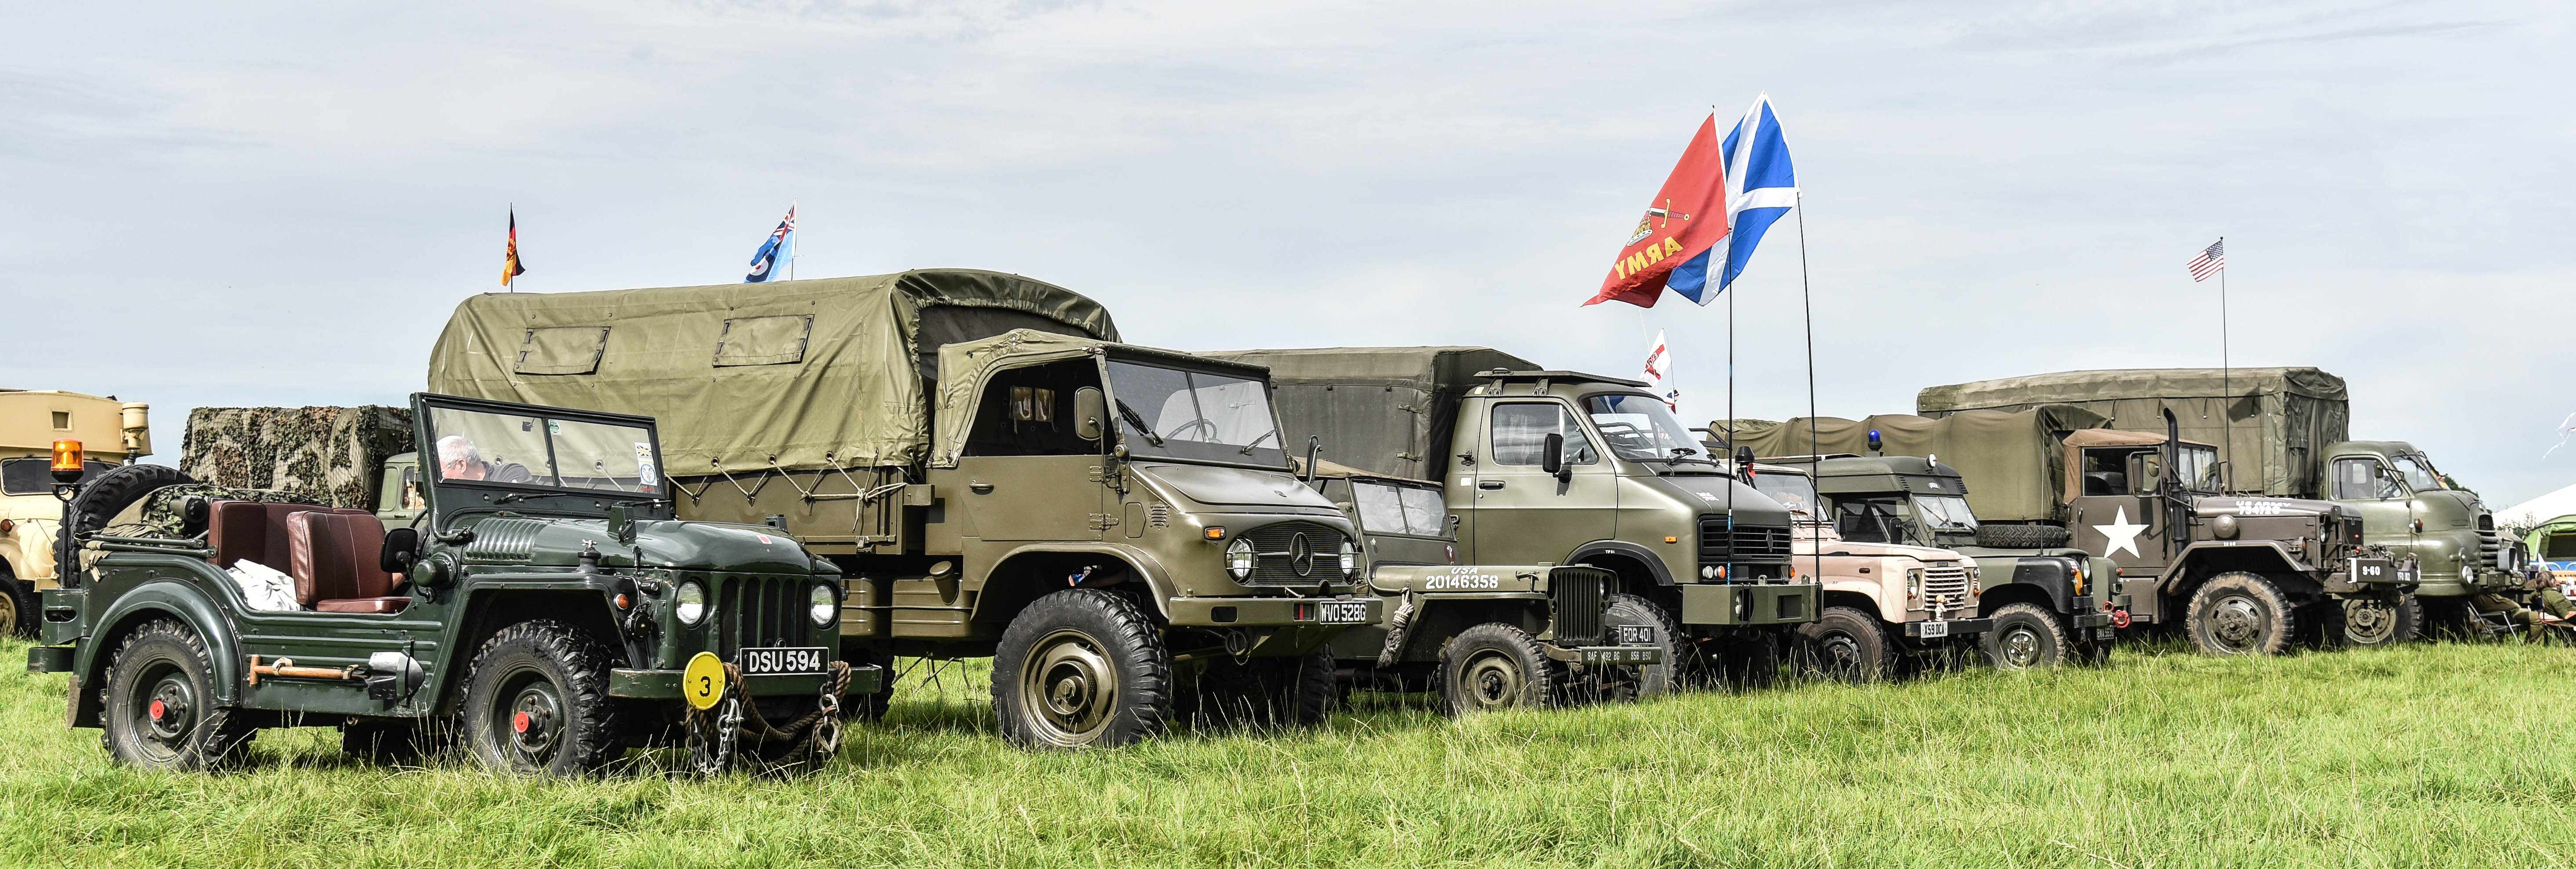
{"type": "Point", "coordinates": [1194, 415]}
{"type": "Point", "coordinates": [1914, 519]}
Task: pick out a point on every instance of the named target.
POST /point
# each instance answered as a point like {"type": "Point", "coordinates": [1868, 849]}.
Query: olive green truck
{"type": "Point", "coordinates": [2284, 433]}
{"type": "Point", "coordinates": [1559, 467]}
{"type": "Point", "coordinates": [991, 470]}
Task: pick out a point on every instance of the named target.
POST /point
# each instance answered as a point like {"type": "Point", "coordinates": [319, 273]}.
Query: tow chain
{"type": "Point", "coordinates": [712, 744]}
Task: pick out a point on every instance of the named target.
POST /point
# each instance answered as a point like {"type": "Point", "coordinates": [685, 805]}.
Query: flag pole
{"type": "Point", "coordinates": [2226, 380]}
{"type": "Point", "coordinates": [1806, 300]}
{"type": "Point", "coordinates": [791, 244]}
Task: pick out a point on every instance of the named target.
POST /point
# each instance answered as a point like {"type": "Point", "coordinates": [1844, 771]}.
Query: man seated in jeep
{"type": "Point", "coordinates": [459, 460]}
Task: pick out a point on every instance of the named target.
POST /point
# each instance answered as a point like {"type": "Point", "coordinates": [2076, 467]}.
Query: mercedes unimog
{"type": "Point", "coordinates": [2283, 433]}
{"type": "Point", "coordinates": [2050, 603]}
{"type": "Point", "coordinates": [112, 433]}
{"type": "Point", "coordinates": [1560, 467]}
{"type": "Point", "coordinates": [547, 611]}
{"type": "Point", "coordinates": [1889, 608]}
{"type": "Point", "coordinates": [1483, 637]}
{"type": "Point", "coordinates": [2241, 574]}
{"type": "Point", "coordinates": [995, 474]}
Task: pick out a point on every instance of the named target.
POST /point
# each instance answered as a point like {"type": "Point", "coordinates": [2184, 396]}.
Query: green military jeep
{"type": "Point", "coordinates": [544, 609]}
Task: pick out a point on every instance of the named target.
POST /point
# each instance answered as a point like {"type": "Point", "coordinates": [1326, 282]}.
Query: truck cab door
{"type": "Point", "coordinates": [2387, 508]}
{"type": "Point", "coordinates": [1522, 513]}
{"type": "Point", "coordinates": [2118, 516]}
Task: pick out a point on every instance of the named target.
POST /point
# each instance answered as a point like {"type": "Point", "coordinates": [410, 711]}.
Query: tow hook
{"type": "Point", "coordinates": [2120, 618]}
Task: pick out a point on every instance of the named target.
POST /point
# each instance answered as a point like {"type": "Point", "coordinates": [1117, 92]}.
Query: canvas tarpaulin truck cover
{"type": "Point", "coordinates": [2276, 424]}
{"type": "Point", "coordinates": [2012, 462]}
{"type": "Point", "coordinates": [832, 372]}
{"type": "Point", "coordinates": [1384, 410]}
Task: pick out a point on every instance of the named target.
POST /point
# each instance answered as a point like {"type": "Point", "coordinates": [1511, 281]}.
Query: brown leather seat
{"type": "Point", "coordinates": [255, 531]}
{"type": "Point", "coordinates": [335, 563]}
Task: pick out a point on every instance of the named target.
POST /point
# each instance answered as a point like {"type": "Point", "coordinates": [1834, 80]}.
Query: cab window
{"type": "Point", "coordinates": [1381, 508]}
{"type": "Point", "coordinates": [1029, 411]}
{"type": "Point", "coordinates": [1521, 430]}
{"type": "Point", "coordinates": [2360, 478]}
{"type": "Point", "coordinates": [1870, 520]}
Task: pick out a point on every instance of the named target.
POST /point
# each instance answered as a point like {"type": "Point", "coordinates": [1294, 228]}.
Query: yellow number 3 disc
{"type": "Point", "coordinates": [702, 683]}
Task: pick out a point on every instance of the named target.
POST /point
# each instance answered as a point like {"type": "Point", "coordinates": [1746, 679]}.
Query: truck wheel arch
{"type": "Point", "coordinates": [1852, 600]}
{"type": "Point", "coordinates": [2200, 562]}
{"type": "Point", "coordinates": [1999, 596]}
{"type": "Point", "coordinates": [153, 601]}
{"type": "Point", "coordinates": [1010, 586]}
{"type": "Point", "coordinates": [1624, 558]}
{"type": "Point", "coordinates": [2050, 585]}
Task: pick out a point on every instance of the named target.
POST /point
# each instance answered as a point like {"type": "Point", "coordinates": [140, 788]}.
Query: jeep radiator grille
{"type": "Point", "coordinates": [503, 541]}
{"type": "Point", "coordinates": [1946, 586]}
{"type": "Point", "coordinates": [1578, 594]}
{"type": "Point", "coordinates": [1277, 560]}
{"type": "Point", "coordinates": [759, 612]}
{"type": "Point", "coordinates": [1745, 543]}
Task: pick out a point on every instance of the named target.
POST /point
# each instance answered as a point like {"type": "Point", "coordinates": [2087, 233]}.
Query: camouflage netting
{"type": "Point", "coordinates": [320, 455]}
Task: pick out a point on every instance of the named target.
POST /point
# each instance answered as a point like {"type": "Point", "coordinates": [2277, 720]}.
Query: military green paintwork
{"type": "Point", "coordinates": [2456, 545]}
{"type": "Point", "coordinates": [488, 557]}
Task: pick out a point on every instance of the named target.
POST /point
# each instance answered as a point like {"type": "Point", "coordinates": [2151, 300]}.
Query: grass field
{"type": "Point", "coordinates": [2426, 755]}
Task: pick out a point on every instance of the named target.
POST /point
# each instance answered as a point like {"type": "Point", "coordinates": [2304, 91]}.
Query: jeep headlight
{"type": "Point", "coordinates": [826, 605]}
{"type": "Point", "coordinates": [690, 604]}
{"type": "Point", "coordinates": [1350, 559]}
{"type": "Point", "coordinates": [1913, 583]}
{"type": "Point", "coordinates": [1238, 558]}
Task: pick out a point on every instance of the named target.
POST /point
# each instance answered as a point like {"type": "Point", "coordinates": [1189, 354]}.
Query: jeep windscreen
{"type": "Point", "coordinates": [1945, 513]}
{"type": "Point", "coordinates": [539, 453]}
{"type": "Point", "coordinates": [1878, 519]}
{"type": "Point", "coordinates": [1640, 428]}
{"type": "Point", "coordinates": [2199, 467]}
{"type": "Point", "coordinates": [1202, 416]}
{"type": "Point", "coordinates": [1408, 510]}
{"type": "Point", "coordinates": [2419, 472]}
{"type": "Point", "coordinates": [1794, 491]}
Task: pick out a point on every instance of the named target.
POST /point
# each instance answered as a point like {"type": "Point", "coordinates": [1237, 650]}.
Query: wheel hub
{"type": "Point", "coordinates": [532, 715]}
{"type": "Point", "coordinates": [1493, 682]}
{"type": "Point", "coordinates": [1840, 654]}
{"type": "Point", "coordinates": [2237, 622]}
{"type": "Point", "coordinates": [171, 710]}
{"type": "Point", "coordinates": [1071, 684]}
{"type": "Point", "coordinates": [2020, 646]}
{"type": "Point", "coordinates": [2370, 621]}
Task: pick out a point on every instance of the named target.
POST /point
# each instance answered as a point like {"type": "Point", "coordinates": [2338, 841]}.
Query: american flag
{"type": "Point", "coordinates": [2211, 260]}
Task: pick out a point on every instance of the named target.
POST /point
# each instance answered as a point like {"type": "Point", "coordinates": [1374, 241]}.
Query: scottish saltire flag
{"type": "Point", "coordinates": [1760, 187]}
{"type": "Point", "coordinates": [780, 246]}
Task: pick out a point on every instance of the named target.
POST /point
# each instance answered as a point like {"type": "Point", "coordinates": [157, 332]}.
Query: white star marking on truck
{"type": "Point", "coordinates": [2120, 534]}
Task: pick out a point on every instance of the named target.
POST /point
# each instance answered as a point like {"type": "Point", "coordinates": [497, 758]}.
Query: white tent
{"type": "Point", "coordinates": [2538, 510]}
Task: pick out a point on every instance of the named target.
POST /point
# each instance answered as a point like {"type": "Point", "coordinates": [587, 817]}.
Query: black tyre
{"type": "Point", "coordinates": [2375, 622]}
{"type": "Point", "coordinates": [2239, 614]}
{"type": "Point", "coordinates": [1495, 666]}
{"type": "Point", "coordinates": [1284, 691]}
{"type": "Point", "coordinates": [395, 740]}
{"type": "Point", "coordinates": [2025, 637]}
{"type": "Point", "coordinates": [1846, 644]}
{"type": "Point", "coordinates": [100, 499]}
{"type": "Point", "coordinates": [2447, 618]}
{"type": "Point", "coordinates": [536, 702]}
{"type": "Point", "coordinates": [1749, 662]}
{"type": "Point", "coordinates": [1652, 679]}
{"type": "Point", "coordinates": [2021, 536]}
{"type": "Point", "coordinates": [1081, 668]}
{"type": "Point", "coordinates": [161, 708]}
{"type": "Point", "coordinates": [870, 706]}
{"type": "Point", "coordinates": [19, 614]}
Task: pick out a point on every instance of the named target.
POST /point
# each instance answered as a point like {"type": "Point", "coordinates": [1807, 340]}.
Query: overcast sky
{"type": "Point", "coordinates": [281, 203]}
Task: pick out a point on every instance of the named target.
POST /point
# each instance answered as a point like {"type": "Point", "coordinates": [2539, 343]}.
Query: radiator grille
{"type": "Point", "coordinates": [1945, 583]}
{"type": "Point", "coordinates": [2490, 546]}
{"type": "Point", "coordinates": [1579, 595]}
{"type": "Point", "coordinates": [1278, 558]}
{"type": "Point", "coordinates": [760, 612]}
{"type": "Point", "coordinates": [1743, 543]}
{"type": "Point", "coordinates": [503, 541]}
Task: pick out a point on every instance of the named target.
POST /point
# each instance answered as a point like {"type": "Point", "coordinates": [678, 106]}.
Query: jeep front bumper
{"type": "Point", "coordinates": [665, 684]}
{"type": "Point", "coordinates": [1605, 655]}
{"type": "Point", "coordinates": [1257, 612]}
{"type": "Point", "coordinates": [1958, 627]}
{"type": "Point", "coordinates": [1749, 604]}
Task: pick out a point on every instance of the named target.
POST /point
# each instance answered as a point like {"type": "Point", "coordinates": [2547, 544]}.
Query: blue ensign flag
{"type": "Point", "coordinates": [781, 245]}
{"type": "Point", "coordinates": [1760, 187]}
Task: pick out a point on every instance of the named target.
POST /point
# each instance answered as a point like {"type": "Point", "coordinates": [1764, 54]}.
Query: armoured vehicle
{"type": "Point", "coordinates": [1483, 636]}
{"type": "Point", "coordinates": [2050, 602]}
{"type": "Point", "coordinates": [992, 470]}
{"type": "Point", "coordinates": [112, 433]}
{"type": "Point", "coordinates": [1888, 606]}
{"type": "Point", "coordinates": [2242, 574]}
{"type": "Point", "coordinates": [2283, 433]}
{"type": "Point", "coordinates": [546, 611]}
{"type": "Point", "coordinates": [1560, 467]}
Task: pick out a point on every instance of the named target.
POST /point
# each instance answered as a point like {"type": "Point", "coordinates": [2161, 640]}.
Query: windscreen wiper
{"type": "Point", "coordinates": [1247, 448]}
{"type": "Point", "coordinates": [1138, 421]}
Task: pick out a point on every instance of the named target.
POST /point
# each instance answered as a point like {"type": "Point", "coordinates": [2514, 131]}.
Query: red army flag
{"type": "Point", "coordinates": [1687, 217]}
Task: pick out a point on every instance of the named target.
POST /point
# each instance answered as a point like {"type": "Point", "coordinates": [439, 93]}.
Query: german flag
{"type": "Point", "coordinates": [510, 265]}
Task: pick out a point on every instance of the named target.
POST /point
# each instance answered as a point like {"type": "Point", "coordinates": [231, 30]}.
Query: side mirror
{"type": "Point", "coordinates": [402, 547]}
{"type": "Point", "coordinates": [2144, 469]}
{"type": "Point", "coordinates": [1090, 413]}
{"type": "Point", "coordinates": [1744, 462]}
{"type": "Point", "coordinates": [1314, 451]}
{"type": "Point", "coordinates": [1551, 455]}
